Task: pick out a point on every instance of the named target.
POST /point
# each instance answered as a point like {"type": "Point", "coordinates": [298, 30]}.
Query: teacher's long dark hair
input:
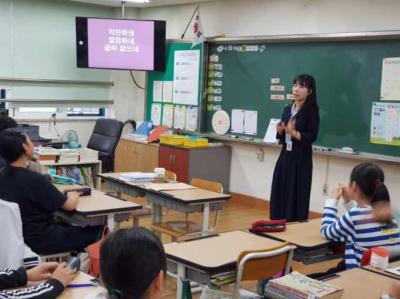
{"type": "Point", "coordinates": [308, 81]}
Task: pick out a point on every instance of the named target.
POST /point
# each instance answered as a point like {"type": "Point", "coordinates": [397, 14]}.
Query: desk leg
{"type": "Point", "coordinates": [206, 216]}
{"type": "Point", "coordinates": [181, 275]}
{"type": "Point", "coordinates": [156, 217]}
{"type": "Point", "coordinates": [111, 222]}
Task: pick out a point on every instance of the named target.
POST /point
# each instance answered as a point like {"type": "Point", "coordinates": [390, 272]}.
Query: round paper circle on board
{"type": "Point", "coordinates": [221, 122]}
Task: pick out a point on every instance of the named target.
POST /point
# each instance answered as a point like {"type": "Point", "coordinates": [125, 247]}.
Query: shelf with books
{"type": "Point", "coordinates": [84, 172]}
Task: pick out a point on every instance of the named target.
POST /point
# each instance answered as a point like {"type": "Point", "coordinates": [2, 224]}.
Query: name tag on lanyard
{"type": "Point", "coordinates": [288, 138]}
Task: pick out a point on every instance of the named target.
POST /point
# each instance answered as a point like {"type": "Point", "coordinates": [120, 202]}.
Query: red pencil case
{"type": "Point", "coordinates": [268, 226]}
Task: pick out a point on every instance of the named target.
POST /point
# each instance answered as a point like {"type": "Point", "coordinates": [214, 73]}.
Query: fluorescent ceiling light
{"type": "Point", "coordinates": [138, 1]}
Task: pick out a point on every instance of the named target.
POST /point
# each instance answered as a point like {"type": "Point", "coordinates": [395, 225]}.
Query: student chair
{"type": "Point", "coordinates": [13, 251]}
{"type": "Point", "coordinates": [179, 228]}
{"type": "Point", "coordinates": [170, 176]}
{"type": "Point", "coordinates": [261, 264]}
{"type": "Point", "coordinates": [104, 139]}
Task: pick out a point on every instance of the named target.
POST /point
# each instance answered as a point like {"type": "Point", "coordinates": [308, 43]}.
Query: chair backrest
{"type": "Point", "coordinates": [208, 185]}
{"type": "Point", "coordinates": [261, 264]}
{"type": "Point", "coordinates": [105, 136]}
{"type": "Point", "coordinates": [169, 175]}
{"type": "Point", "coordinates": [13, 251]}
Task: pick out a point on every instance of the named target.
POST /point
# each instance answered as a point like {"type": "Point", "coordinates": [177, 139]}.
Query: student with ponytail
{"type": "Point", "coordinates": [358, 227]}
{"type": "Point", "coordinates": [132, 265]}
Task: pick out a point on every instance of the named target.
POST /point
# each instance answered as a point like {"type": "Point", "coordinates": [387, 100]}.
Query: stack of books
{"type": "Point", "coordinates": [299, 286]}
{"type": "Point", "coordinates": [137, 177]}
{"type": "Point", "coordinates": [87, 155]}
{"type": "Point", "coordinates": [42, 153]}
{"type": "Point", "coordinates": [82, 175]}
{"type": "Point", "coordinates": [68, 156]}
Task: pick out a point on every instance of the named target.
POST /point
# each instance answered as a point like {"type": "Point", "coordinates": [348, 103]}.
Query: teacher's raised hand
{"type": "Point", "coordinates": [280, 127]}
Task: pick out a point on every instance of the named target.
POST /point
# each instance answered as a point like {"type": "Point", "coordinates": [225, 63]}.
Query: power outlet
{"type": "Point", "coordinates": [260, 154]}
{"type": "Point", "coordinates": [325, 189]}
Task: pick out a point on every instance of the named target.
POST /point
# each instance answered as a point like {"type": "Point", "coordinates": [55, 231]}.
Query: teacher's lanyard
{"type": "Point", "coordinates": [288, 138]}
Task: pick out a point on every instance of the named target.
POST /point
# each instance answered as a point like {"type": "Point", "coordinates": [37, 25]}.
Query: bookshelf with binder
{"type": "Point", "coordinates": [84, 172]}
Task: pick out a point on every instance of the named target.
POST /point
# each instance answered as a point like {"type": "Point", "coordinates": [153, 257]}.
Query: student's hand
{"type": "Point", "coordinates": [41, 271]}
{"type": "Point", "coordinates": [337, 192]}
{"type": "Point", "coordinates": [73, 195]}
{"type": "Point", "coordinates": [291, 127]}
{"type": "Point", "coordinates": [280, 127]}
{"type": "Point", "coordinates": [394, 290]}
{"type": "Point", "coordinates": [346, 194]}
{"type": "Point", "coordinates": [63, 274]}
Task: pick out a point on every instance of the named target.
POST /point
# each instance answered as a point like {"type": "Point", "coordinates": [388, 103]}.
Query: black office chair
{"type": "Point", "coordinates": [104, 139]}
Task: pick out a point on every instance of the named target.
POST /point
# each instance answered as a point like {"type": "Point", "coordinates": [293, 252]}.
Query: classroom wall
{"type": "Point", "coordinates": [37, 41]}
{"type": "Point", "coordinates": [274, 17]}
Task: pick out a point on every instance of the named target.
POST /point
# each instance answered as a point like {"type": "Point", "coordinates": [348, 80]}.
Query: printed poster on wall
{"type": "Point", "coordinates": [390, 85]}
{"type": "Point", "coordinates": [186, 77]}
{"type": "Point", "coordinates": [385, 123]}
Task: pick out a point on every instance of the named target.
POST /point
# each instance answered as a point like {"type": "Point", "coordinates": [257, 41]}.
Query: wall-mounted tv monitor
{"type": "Point", "coordinates": [120, 44]}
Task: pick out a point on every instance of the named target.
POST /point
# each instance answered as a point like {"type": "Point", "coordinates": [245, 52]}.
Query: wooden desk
{"type": "Point", "coordinates": [100, 204]}
{"type": "Point", "coordinates": [190, 200]}
{"type": "Point", "coordinates": [199, 259]}
{"type": "Point", "coordinates": [359, 283]}
{"type": "Point", "coordinates": [306, 236]}
{"type": "Point", "coordinates": [79, 293]}
{"type": "Point", "coordinates": [383, 272]}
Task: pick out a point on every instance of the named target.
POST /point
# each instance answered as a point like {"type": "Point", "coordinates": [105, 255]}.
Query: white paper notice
{"type": "Point", "coordinates": [250, 122]}
{"type": "Point", "coordinates": [275, 80]}
{"type": "Point", "coordinates": [191, 118]}
{"type": "Point", "coordinates": [277, 97]}
{"type": "Point", "coordinates": [277, 88]}
{"type": "Point", "coordinates": [179, 117]}
{"type": "Point", "coordinates": [156, 114]}
{"type": "Point", "coordinates": [270, 135]}
{"type": "Point", "coordinates": [186, 77]}
{"type": "Point", "coordinates": [168, 115]}
{"type": "Point", "coordinates": [167, 92]}
{"type": "Point", "coordinates": [390, 85]}
{"type": "Point", "coordinates": [157, 91]}
{"type": "Point", "coordinates": [237, 124]}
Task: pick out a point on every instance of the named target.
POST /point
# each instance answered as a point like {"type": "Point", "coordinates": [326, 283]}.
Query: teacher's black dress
{"type": "Point", "coordinates": [291, 183]}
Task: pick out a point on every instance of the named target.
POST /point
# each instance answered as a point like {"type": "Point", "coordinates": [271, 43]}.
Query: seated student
{"type": "Point", "coordinates": [6, 122]}
{"type": "Point", "coordinates": [358, 228]}
{"type": "Point", "coordinates": [38, 199]}
{"type": "Point", "coordinates": [132, 265]}
{"type": "Point", "coordinates": [58, 277]}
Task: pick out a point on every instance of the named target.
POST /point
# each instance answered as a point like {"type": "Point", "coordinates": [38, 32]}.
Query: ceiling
{"type": "Point", "coordinates": [117, 3]}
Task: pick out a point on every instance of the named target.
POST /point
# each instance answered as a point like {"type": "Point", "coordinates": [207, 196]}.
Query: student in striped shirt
{"type": "Point", "coordinates": [358, 228]}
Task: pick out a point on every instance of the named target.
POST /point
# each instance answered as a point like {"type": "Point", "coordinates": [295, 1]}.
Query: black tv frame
{"type": "Point", "coordinates": [159, 44]}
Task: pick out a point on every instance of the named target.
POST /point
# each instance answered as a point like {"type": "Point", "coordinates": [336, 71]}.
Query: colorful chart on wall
{"type": "Point", "coordinates": [385, 123]}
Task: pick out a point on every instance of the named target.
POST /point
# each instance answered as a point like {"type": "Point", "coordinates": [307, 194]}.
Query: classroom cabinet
{"type": "Point", "coordinates": [210, 163]}
{"type": "Point", "coordinates": [136, 156]}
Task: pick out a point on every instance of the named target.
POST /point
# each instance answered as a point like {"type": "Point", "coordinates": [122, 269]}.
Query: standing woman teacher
{"type": "Point", "coordinates": [297, 130]}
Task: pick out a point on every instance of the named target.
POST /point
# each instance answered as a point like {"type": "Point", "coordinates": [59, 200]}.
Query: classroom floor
{"type": "Point", "coordinates": [236, 215]}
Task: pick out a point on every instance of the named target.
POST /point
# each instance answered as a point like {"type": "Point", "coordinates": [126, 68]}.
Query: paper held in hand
{"type": "Point", "coordinates": [270, 135]}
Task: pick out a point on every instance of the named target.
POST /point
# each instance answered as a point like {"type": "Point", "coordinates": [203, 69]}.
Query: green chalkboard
{"type": "Point", "coordinates": [348, 76]}
{"type": "Point", "coordinates": [168, 75]}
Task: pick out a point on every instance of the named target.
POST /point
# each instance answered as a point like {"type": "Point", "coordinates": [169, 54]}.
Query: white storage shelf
{"type": "Point", "coordinates": [43, 167]}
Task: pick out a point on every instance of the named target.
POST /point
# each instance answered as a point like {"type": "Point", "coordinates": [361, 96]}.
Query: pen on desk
{"type": "Point", "coordinates": [80, 285]}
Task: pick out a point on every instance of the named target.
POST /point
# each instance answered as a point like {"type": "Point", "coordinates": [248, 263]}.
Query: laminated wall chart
{"type": "Point", "coordinates": [385, 116]}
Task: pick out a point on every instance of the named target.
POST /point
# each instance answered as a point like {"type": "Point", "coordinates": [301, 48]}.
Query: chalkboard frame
{"type": "Point", "coordinates": [349, 37]}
